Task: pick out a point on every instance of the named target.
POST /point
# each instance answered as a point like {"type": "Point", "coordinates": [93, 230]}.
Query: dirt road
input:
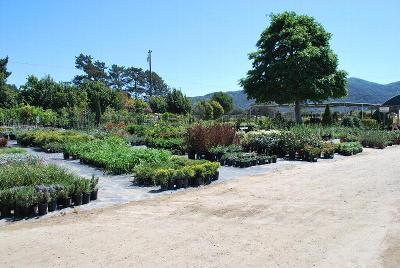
{"type": "Point", "coordinates": [343, 213]}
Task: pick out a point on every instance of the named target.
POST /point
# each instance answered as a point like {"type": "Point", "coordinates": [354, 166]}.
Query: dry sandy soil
{"type": "Point", "coordinates": [343, 213]}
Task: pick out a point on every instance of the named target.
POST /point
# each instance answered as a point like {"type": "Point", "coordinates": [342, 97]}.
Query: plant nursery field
{"type": "Point", "coordinates": [340, 213]}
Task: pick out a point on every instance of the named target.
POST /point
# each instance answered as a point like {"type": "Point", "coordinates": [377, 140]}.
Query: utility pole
{"type": "Point", "coordinates": [149, 61]}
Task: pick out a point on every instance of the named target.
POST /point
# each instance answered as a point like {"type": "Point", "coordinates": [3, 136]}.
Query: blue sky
{"type": "Point", "coordinates": [198, 46]}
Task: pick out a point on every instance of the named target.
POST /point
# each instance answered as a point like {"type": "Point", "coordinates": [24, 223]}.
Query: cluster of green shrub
{"type": "Point", "coordinates": [113, 154]}
{"type": "Point", "coordinates": [349, 148]}
{"type": "Point", "coordinates": [176, 173]}
{"type": "Point", "coordinates": [25, 187]}
{"type": "Point", "coordinates": [159, 136]}
{"type": "Point", "coordinates": [242, 159]}
{"type": "Point", "coordinates": [51, 140]}
{"type": "Point", "coordinates": [12, 150]}
{"type": "Point", "coordinates": [379, 139]}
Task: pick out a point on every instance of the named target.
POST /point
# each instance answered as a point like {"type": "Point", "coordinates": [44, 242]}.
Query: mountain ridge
{"type": "Point", "coordinates": [359, 91]}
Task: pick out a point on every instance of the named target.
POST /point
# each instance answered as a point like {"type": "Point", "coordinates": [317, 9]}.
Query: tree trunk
{"type": "Point", "coordinates": [297, 112]}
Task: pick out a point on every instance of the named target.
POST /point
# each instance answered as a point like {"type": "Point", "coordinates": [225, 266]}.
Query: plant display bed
{"type": "Point", "coordinates": [33, 189]}
{"type": "Point", "coordinates": [176, 173]}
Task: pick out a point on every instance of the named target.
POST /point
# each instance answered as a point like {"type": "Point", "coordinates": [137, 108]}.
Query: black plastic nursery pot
{"type": "Point", "coordinates": [192, 155]}
{"type": "Point", "coordinates": [77, 198]}
{"type": "Point", "coordinates": [85, 198]}
{"type": "Point", "coordinates": [93, 195]}
{"type": "Point", "coordinates": [171, 185]}
{"type": "Point", "coordinates": [164, 186]}
{"type": "Point", "coordinates": [215, 176]}
{"type": "Point", "coordinates": [42, 209]}
{"type": "Point", "coordinates": [198, 181]}
{"type": "Point", "coordinates": [5, 212]}
{"type": "Point", "coordinates": [185, 183]}
{"type": "Point", "coordinates": [52, 206]}
{"type": "Point", "coordinates": [179, 183]}
{"type": "Point", "coordinates": [66, 202]}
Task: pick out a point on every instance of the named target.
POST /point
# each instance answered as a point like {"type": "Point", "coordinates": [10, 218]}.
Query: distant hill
{"type": "Point", "coordinates": [361, 91]}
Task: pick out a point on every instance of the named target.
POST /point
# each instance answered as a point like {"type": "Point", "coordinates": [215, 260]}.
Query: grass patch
{"type": "Point", "coordinates": [12, 150]}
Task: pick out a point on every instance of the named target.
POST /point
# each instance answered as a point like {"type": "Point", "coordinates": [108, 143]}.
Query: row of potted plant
{"type": "Point", "coordinates": [30, 189]}
{"type": "Point", "coordinates": [174, 145]}
{"type": "Point", "coordinates": [176, 173]}
{"type": "Point", "coordinates": [51, 140]}
{"type": "Point", "coordinates": [113, 154]}
{"type": "Point", "coordinates": [379, 139]}
{"type": "Point", "coordinates": [242, 160]}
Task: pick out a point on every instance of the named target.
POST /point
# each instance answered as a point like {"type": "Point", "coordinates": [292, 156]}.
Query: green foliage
{"type": "Point", "coordinates": [370, 123]}
{"type": "Point", "coordinates": [224, 100]}
{"type": "Point", "coordinates": [203, 110]}
{"type": "Point", "coordinates": [178, 103]}
{"type": "Point", "coordinates": [12, 150]}
{"type": "Point", "coordinates": [349, 148]}
{"type": "Point", "coordinates": [156, 174]}
{"type": "Point", "coordinates": [347, 122]}
{"type": "Point", "coordinates": [376, 139]}
{"type": "Point", "coordinates": [327, 118]}
{"type": "Point", "coordinates": [54, 140]}
{"type": "Point", "coordinates": [25, 184]}
{"type": "Point", "coordinates": [158, 104]}
{"type": "Point", "coordinates": [217, 109]}
{"type": "Point", "coordinates": [294, 63]}
{"type": "Point", "coordinates": [114, 155]}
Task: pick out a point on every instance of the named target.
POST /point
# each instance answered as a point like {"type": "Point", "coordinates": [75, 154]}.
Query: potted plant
{"type": "Point", "coordinates": [94, 188]}
{"type": "Point", "coordinates": [161, 176]}
{"type": "Point", "coordinates": [43, 199]}
{"type": "Point", "coordinates": [25, 201]}
{"type": "Point", "coordinates": [77, 193]}
{"type": "Point", "coordinates": [6, 202]}
{"type": "Point", "coordinates": [52, 206]}
{"type": "Point", "coordinates": [87, 190]}
{"type": "Point", "coordinates": [63, 196]}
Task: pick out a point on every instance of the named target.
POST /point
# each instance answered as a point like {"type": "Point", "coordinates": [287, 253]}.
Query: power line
{"type": "Point", "coordinates": [41, 65]}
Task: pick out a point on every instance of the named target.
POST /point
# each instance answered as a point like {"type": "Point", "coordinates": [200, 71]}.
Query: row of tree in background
{"type": "Point", "coordinates": [97, 90]}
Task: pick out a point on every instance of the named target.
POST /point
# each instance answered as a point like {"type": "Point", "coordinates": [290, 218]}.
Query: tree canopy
{"type": "Point", "coordinates": [178, 103]}
{"type": "Point", "coordinates": [224, 100]}
{"type": "Point", "coordinates": [294, 63]}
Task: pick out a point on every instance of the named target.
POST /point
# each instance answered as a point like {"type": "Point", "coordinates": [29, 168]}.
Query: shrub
{"type": "Point", "coordinates": [175, 168]}
{"type": "Point", "coordinates": [347, 122]}
{"type": "Point", "coordinates": [327, 118]}
{"type": "Point", "coordinates": [3, 142]}
{"type": "Point", "coordinates": [375, 139]}
{"type": "Point", "coordinates": [349, 148]}
{"type": "Point", "coordinates": [201, 138]}
{"type": "Point", "coordinates": [114, 155]}
{"type": "Point", "coordinates": [370, 123]}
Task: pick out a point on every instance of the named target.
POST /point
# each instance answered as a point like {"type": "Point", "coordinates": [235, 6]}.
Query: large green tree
{"type": "Point", "coordinates": [116, 77]}
{"type": "Point", "coordinates": [224, 100]}
{"type": "Point", "coordinates": [294, 64]}
{"type": "Point", "coordinates": [178, 103]}
{"type": "Point", "coordinates": [94, 70]}
{"type": "Point", "coordinates": [8, 93]}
